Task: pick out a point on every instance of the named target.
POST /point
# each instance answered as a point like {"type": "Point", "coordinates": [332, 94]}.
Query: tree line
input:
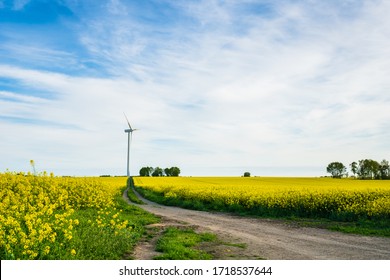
{"type": "Point", "coordinates": [363, 169]}
{"type": "Point", "coordinates": [148, 171]}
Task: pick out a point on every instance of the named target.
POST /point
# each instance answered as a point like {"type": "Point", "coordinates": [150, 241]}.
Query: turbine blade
{"type": "Point", "coordinates": [127, 121]}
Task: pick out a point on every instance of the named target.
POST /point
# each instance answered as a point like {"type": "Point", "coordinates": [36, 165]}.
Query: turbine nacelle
{"type": "Point", "coordinates": [130, 130]}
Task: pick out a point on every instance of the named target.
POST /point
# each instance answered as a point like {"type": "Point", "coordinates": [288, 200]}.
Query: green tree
{"type": "Point", "coordinates": [354, 167]}
{"type": "Point", "coordinates": [172, 171]}
{"type": "Point", "coordinates": [175, 171]}
{"type": "Point", "coordinates": [384, 169]}
{"type": "Point", "coordinates": [363, 169]}
{"type": "Point", "coordinates": [146, 171]}
{"type": "Point", "coordinates": [247, 174]}
{"type": "Point", "coordinates": [337, 169]}
{"type": "Point", "coordinates": [375, 169]}
{"type": "Point", "coordinates": [368, 169]}
{"type": "Point", "coordinates": [158, 172]}
{"type": "Point", "coordinates": [167, 172]}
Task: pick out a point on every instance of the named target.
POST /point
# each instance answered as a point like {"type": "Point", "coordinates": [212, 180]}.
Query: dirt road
{"type": "Point", "coordinates": [276, 240]}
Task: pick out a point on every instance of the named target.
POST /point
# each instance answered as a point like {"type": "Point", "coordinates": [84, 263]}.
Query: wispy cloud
{"type": "Point", "coordinates": [19, 4]}
{"type": "Point", "coordinates": [15, 5]}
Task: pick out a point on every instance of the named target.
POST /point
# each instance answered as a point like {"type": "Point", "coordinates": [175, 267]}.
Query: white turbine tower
{"type": "Point", "coordinates": [129, 132]}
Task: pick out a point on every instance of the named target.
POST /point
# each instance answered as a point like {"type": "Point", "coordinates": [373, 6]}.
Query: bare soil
{"type": "Point", "coordinates": [264, 238]}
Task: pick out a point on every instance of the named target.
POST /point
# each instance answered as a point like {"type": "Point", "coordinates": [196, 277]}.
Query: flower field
{"type": "Point", "coordinates": [336, 199]}
{"type": "Point", "coordinates": [48, 217]}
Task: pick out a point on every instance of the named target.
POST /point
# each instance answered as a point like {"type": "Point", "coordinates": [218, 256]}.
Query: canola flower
{"type": "Point", "coordinates": [340, 199]}
{"type": "Point", "coordinates": [37, 213]}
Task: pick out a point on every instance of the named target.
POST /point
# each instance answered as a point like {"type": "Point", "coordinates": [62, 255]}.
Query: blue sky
{"type": "Point", "coordinates": [215, 87]}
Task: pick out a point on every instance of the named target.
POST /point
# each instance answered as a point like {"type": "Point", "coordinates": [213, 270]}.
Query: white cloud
{"type": "Point", "coordinates": [20, 4]}
{"type": "Point", "coordinates": [116, 7]}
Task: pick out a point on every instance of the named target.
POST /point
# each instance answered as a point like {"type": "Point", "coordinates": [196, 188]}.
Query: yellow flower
{"type": "Point", "coordinates": [46, 250]}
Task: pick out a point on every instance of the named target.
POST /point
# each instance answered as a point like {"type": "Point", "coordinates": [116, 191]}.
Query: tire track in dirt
{"type": "Point", "coordinates": [276, 240]}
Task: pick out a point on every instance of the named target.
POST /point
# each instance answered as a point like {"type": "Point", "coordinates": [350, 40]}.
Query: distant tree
{"type": "Point", "coordinates": [354, 167]}
{"type": "Point", "coordinates": [375, 169]}
{"type": "Point", "coordinates": [337, 169]}
{"type": "Point", "coordinates": [157, 172]}
{"type": "Point", "coordinates": [247, 174]}
{"type": "Point", "coordinates": [167, 172]}
{"type": "Point", "coordinates": [363, 169]}
{"type": "Point", "coordinates": [172, 171]}
{"type": "Point", "coordinates": [146, 171]}
{"type": "Point", "coordinates": [368, 169]}
{"type": "Point", "coordinates": [384, 169]}
{"type": "Point", "coordinates": [175, 171]}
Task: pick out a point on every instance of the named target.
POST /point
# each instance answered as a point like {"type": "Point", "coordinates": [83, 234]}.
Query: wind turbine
{"type": "Point", "coordinates": [129, 132]}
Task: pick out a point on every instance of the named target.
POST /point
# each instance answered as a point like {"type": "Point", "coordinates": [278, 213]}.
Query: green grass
{"type": "Point", "coordinates": [130, 194]}
{"type": "Point", "coordinates": [133, 198]}
{"type": "Point", "coordinates": [136, 214]}
{"type": "Point", "coordinates": [92, 243]}
{"type": "Point", "coordinates": [362, 227]}
{"type": "Point", "coordinates": [180, 244]}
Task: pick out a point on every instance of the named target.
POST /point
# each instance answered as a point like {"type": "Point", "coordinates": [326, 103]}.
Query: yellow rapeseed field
{"type": "Point", "coordinates": [340, 199]}
{"type": "Point", "coordinates": [37, 213]}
